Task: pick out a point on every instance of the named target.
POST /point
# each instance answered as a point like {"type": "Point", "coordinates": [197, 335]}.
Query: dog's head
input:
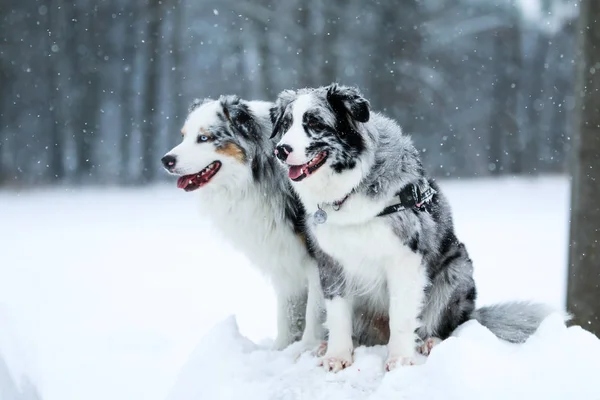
{"type": "Point", "coordinates": [321, 135]}
{"type": "Point", "coordinates": [219, 138]}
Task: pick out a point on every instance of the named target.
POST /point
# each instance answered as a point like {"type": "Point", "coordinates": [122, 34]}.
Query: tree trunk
{"type": "Point", "coordinates": [503, 122]}
{"type": "Point", "coordinates": [536, 101]}
{"type": "Point", "coordinates": [150, 99]}
{"type": "Point", "coordinates": [382, 83]}
{"type": "Point", "coordinates": [306, 40]}
{"type": "Point", "coordinates": [495, 155]}
{"type": "Point", "coordinates": [83, 86]}
{"type": "Point", "coordinates": [583, 291]}
{"type": "Point", "coordinates": [513, 67]}
{"type": "Point", "coordinates": [125, 97]}
{"type": "Point", "coordinates": [178, 62]}
{"type": "Point", "coordinates": [55, 146]}
{"type": "Point", "coordinates": [329, 70]}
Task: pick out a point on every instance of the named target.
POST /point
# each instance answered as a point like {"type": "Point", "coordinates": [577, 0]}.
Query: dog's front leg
{"type": "Point", "coordinates": [340, 346]}
{"type": "Point", "coordinates": [406, 281]}
{"type": "Point", "coordinates": [339, 315]}
{"type": "Point", "coordinates": [285, 320]}
{"type": "Point", "coordinates": [313, 330]}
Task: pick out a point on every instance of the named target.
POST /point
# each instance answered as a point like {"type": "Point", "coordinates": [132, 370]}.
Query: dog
{"type": "Point", "coordinates": [226, 157]}
{"type": "Point", "coordinates": [382, 230]}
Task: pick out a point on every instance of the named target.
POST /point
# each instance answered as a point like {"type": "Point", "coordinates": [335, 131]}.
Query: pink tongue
{"type": "Point", "coordinates": [183, 181]}
{"type": "Point", "coordinates": [295, 171]}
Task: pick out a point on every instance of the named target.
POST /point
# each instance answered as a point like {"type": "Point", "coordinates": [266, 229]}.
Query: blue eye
{"type": "Point", "coordinates": [202, 138]}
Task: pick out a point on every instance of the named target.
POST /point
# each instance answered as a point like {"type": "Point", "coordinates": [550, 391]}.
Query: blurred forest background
{"type": "Point", "coordinates": [96, 91]}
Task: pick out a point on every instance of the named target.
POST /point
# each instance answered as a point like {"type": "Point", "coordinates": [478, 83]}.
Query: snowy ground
{"type": "Point", "coordinates": [110, 292]}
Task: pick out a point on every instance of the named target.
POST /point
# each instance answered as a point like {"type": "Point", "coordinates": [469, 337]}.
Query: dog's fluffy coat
{"type": "Point", "coordinates": [352, 164]}
{"type": "Point", "coordinates": [250, 204]}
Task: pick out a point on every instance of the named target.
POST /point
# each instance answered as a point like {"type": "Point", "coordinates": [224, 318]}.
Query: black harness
{"type": "Point", "coordinates": [410, 196]}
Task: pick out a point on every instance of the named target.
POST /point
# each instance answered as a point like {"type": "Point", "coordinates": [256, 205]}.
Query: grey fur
{"type": "Point", "coordinates": [513, 322]}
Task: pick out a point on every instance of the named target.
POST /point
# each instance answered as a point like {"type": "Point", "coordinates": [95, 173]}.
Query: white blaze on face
{"type": "Point", "coordinates": [193, 156]}
{"type": "Point", "coordinates": [203, 117]}
{"type": "Point", "coordinates": [296, 137]}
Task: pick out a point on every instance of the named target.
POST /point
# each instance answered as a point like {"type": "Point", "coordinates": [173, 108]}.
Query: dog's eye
{"type": "Point", "coordinates": [202, 138]}
{"type": "Point", "coordinates": [314, 124]}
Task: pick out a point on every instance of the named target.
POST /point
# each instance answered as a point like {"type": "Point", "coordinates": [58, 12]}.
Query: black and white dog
{"type": "Point", "coordinates": [226, 153]}
{"type": "Point", "coordinates": [384, 232]}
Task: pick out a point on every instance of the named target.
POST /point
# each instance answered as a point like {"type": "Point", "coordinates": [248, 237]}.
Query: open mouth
{"type": "Point", "coordinates": [199, 179]}
{"type": "Point", "coordinates": [299, 172]}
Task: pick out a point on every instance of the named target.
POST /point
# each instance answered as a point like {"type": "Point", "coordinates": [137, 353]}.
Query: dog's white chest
{"type": "Point", "coordinates": [251, 226]}
{"type": "Point", "coordinates": [362, 249]}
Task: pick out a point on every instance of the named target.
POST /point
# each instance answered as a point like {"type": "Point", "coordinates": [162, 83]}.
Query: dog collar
{"type": "Point", "coordinates": [410, 196]}
{"type": "Point", "coordinates": [320, 216]}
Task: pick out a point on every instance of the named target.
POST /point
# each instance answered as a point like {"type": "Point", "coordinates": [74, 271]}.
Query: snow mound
{"type": "Point", "coordinates": [555, 363]}
{"type": "Point", "coordinates": [16, 379]}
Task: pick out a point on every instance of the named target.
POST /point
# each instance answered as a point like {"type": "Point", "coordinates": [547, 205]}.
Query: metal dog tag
{"type": "Point", "coordinates": [320, 216]}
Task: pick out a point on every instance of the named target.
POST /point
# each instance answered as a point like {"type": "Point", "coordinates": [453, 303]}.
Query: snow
{"type": "Point", "coordinates": [111, 290]}
{"type": "Point", "coordinates": [17, 375]}
{"type": "Point", "coordinates": [556, 363]}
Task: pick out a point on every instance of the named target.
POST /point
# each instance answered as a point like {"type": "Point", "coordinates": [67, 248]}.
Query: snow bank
{"type": "Point", "coordinates": [556, 363]}
{"type": "Point", "coordinates": [16, 379]}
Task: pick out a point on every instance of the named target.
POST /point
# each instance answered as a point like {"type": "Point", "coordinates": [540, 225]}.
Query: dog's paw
{"type": "Point", "coordinates": [303, 346]}
{"type": "Point", "coordinates": [427, 345]}
{"type": "Point", "coordinates": [281, 343]}
{"type": "Point", "coordinates": [336, 363]}
{"type": "Point", "coordinates": [393, 362]}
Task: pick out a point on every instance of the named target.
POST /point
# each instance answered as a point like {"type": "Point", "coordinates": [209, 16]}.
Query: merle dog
{"type": "Point", "coordinates": [383, 230]}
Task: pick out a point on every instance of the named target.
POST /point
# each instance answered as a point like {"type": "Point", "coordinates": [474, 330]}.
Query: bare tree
{"type": "Point", "coordinates": [178, 62]}
{"type": "Point", "coordinates": [126, 105]}
{"type": "Point", "coordinates": [84, 83]}
{"type": "Point", "coordinates": [55, 129]}
{"type": "Point", "coordinates": [504, 126]}
{"type": "Point", "coordinates": [536, 99]}
{"type": "Point", "coordinates": [150, 94]}
{"type": "Point", "coordinates": [305, 43]}
{"type": "Point", "coordinates": [329, 69]}
{"type": "Point", "coordinates": [583, 293]}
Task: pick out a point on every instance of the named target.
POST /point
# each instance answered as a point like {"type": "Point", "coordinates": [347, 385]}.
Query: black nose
{"type": "Point", "coordinates": [283, 151]}
{"type": "Point", "coordinates": [169, 161]}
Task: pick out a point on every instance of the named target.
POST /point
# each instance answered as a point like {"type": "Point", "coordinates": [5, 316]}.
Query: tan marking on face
{"type": "Point", "coordinates": [233, 150]}
{"type": "Point", "coordinates": [183, 131]}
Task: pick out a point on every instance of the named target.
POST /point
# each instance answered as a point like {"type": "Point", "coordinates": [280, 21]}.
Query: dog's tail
{"type": "Point", "coordinates": [516, 321]}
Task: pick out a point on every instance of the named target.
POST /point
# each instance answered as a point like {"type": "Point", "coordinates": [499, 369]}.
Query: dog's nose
{"type": "Point", "coordinates": [283, 151]}
{"type": "Point", "coordinates": [169, 161]}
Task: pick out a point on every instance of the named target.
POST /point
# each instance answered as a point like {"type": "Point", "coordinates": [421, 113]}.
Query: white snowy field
{"type": "Point", "coordinates": [110, 292]}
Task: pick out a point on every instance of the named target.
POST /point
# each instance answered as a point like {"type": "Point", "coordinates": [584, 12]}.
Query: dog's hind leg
{"type": "Point", "coordinates": [450, 296]}
{"type": "Point", "coordinates": [291, 310]}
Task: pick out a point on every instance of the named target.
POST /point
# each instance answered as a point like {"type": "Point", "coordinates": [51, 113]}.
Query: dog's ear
{"type": "Point", "coordinates": [350, 100]}
{"type": "Point", "coordinates": [197, 103]}
{"type": "Point", "coordinates": [238, 114]}
{"type": "Point", "coordinates": [278, 110]}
